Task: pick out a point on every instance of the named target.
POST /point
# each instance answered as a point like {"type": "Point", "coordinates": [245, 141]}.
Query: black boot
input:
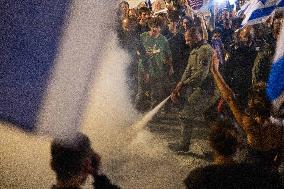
{"type": "Point", "coordinates": [183, 146]}
{"type": "Point", "coordinates": [179, 148]}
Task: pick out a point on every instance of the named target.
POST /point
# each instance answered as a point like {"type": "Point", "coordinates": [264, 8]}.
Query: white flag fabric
{"type": "Point", "coordinates": [258, 11]}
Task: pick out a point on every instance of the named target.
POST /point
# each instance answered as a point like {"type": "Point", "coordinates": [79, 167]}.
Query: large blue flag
{"type": "Point", "coordinates": [275, 85]}
{"type": "Point", "coordinates": [30, 35]}
{"type": "Point", "coordinates": [47, 57]}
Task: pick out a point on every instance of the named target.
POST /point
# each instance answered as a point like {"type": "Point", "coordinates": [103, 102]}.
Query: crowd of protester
{"type": "Point", "coordinates": [216, 74]}
{"type": "Point", "coordinates": [171, 50]}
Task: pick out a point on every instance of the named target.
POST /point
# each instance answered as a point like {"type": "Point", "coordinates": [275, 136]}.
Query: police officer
{"type": "Point", "coordinates": [199, 83]}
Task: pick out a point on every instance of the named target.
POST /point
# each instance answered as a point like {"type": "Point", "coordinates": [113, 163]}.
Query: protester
{"type": "Point", "coordinates": [217, 44]}
{"type": "Point", "coordinates": [225, 173]}
{"type": "Point", "coordinates": [133, 13]}
{"type": "Point", "coordinates": [143, 18]}
{"type": "Point", "coordinates": [164, 24]}
{"type": "Point", "coordinates": [123, 11]}
{"type": "Point", "coordinates": [130, 41]}
{"type": "Point", "coordinates": [178, 48]}
{"type": "Point", "coordinates": [159, 56]}
{"type": "Point", "coordinates": [239, 65]}
{"type": "Point", "coordinates": [263, 136]}
{"type": "Point", "coordinates": [265, 55]}
{"type": "Point", "coordinates": [187, 23]}
{"type": "Point", "coordinates": [158, 5]}
{"type": "Point", "coordinates": [227, 33]}
{"type": "Point", "coordinates": [73, 160]}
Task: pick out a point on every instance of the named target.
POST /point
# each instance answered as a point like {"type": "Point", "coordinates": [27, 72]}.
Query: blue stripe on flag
{"type": "Point", "coordinates": [275, 85]}
{"type": "Point", "coordinates": [281, 4]}
{"type": "Point", "coordinates": [30, 31]}
{"type": "Point", "coordinates": [259, 13]}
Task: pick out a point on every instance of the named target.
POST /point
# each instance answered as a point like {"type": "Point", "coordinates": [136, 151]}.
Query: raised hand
{"type": "Point", "coordinates": [215, 62]}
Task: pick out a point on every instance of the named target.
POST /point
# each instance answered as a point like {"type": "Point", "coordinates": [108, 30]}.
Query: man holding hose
{"type": "Point", "coordinates": [200, 86]}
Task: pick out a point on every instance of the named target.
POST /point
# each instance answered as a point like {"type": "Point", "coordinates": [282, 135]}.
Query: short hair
{"type": "Point", "coordinates": [143, 9]}
{"type": "Point", "coordinates": [217, 30]}
{"type": "Point", "coordinates": [278, 15]}
{"type": "Point", "coordinates": [237, 22]}
{"type": "Point", "coordinates": [189, 20]}
{"type": "Point", "coordinates": [222, 139]}
{"type": "Point", "coordinates": [197, 21]}
{"type": "Point", "coordinates": [67, 156]}
{"type": "Point", "coordinates": [124, 2]}
{"type": "Point", "coordinates": [260, 104]}
{"type": "Point", "coordinates": [227, 21]}
{"type": "Point", "coordinates": [173, 16]}
{"type": "Point", "coordinates": [155, 22]}
{"type": "Point", "coordinates": [194, 30]}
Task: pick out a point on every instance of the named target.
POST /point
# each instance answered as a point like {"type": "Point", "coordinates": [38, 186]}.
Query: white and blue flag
{"type": "Point", "coordinates": [275, 85]}
{"type": "Point", "coordinates": [148, 4]}
{"type": "Point", "coordinates": [47, 57]}
{"type": "Point", "coordinates": [246, 7]}
{"type": "Point", "coordinates": [258, 11]}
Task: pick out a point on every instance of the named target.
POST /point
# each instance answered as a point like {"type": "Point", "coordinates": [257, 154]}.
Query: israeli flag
{"type": "Point", "coordinates": [49, 50]}
{"type": "Point", "coordinates": [148, 3]}
{"type": "Point", "coordinates": [246, 7]}
{"type": "Point", "coordinates": [258, 11]}
{"type": "Point", "coordinates": [275, 85]}
{"type": "Point", "coordinates": [280, 5]}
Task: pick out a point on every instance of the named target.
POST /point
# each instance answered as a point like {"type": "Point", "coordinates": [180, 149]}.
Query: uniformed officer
{"type": "Point", "coordinates": [199, 83]}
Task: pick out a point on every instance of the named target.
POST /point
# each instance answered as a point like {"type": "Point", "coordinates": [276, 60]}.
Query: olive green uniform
{"type": "Point", "coordinates": [202, 92]}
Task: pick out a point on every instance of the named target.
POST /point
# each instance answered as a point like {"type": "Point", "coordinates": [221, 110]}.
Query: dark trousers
{"type": "Point", "coordinates": [187, 129]}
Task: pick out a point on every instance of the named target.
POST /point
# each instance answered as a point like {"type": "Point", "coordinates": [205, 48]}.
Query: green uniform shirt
{"type": "Point", "coordinates": [198, 77]}
{"type": "Point", "coordinates": [198, 66]}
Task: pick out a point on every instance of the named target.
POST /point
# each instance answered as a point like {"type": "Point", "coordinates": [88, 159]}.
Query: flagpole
{"type": "Point", "coordinates": [214, 14]}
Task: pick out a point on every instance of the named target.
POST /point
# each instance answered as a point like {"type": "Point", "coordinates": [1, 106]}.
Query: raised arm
{"type": "Point", "coordinates": [204, 28]}
{"type": "Point", "coordinates": [226, 92]}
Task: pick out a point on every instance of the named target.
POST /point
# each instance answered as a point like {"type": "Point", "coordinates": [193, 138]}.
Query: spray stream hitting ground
{"type": "Point", "coordinates": [146, 118]}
